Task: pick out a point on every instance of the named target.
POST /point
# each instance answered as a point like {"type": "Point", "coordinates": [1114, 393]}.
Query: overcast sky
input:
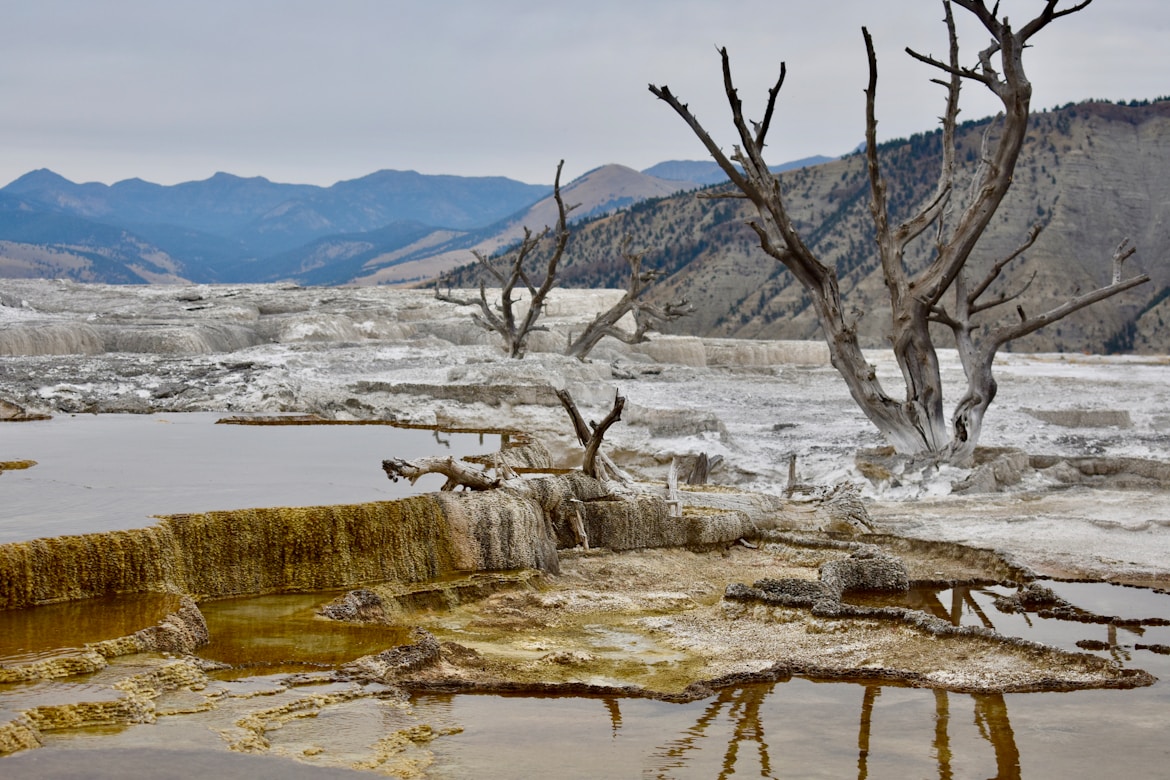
{"type": "Point", "coordinates": [302, 91]}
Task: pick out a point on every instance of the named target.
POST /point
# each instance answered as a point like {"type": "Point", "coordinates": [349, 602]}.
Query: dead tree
{"type": "Point", "coordinates": [502, 318]}
{"type": "Point", "coordinates": [461, 474]}
{"type": "Point", "coordinates": [942, 291]}
{"type": "Point", "coordinates": [647, 316]}
{"type": "Point", "coordinates": [596, 463]}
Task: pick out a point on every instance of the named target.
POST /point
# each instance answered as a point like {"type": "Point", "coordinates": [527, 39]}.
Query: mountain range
{"type": "Point", "coordinates": [1092, 173]}
{"type": "Point", "coordinates": [388, 227]}
{"type": "Point", "coordinates": [227, 228]}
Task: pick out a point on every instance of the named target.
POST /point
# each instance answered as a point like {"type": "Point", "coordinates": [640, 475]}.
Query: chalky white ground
{"type": "Point", "coordinates": [753, 403]}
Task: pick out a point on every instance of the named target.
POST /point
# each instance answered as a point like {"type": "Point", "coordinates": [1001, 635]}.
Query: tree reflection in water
{"type": "Point", "coordinates": [742, 708]}
{"type": "Point", "coordinates": [872, 728]}
{"type": "Point", "coordinates": [991, 717]}
{"type": "Point", "coordinates": [867, 702]}
{"type": "Point", "coordinates": [615, 714]}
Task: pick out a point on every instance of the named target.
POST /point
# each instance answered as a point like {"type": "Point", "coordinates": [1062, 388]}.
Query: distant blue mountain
{"type": "Point", "coordinates": [337, 259]}
{"type": "Point", "coordinates": [222, 227]}
{"type": "Point", "coordinates": [221, 204]}
{"type": "Point", "coordinates": [226, 204]}
{"type": "Point", "coordinates": [232, 229]}
{"type": "Point", "coordinates": [385, 197]}
{"type": "Point", "coordinates": [81, 249]}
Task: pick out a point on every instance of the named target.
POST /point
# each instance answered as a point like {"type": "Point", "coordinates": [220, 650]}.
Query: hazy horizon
{"type": "Point", "coordinates": [302, 92]}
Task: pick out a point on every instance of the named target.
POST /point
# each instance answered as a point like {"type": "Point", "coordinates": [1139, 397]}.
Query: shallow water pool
{"type": "Point", "coordinates": [117, 471]}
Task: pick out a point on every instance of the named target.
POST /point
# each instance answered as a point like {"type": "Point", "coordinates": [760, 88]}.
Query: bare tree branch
{"type": "Point", "coordinates": [646, 315]}
{"type": "Point", "coordinates": [989, 188]}
{"type": "Point", "coordinates": [879, 206]}
{"type": "Point", "coordinates": [515, 334]}
{"type": "Point", "coordinates": [596, 463]}
{"type": "Point", "coordinates": [1004, 298]}
{"type": "Point", "coordinates": [579, 426]}
{"type": "Point", "coordinates": [993, 274]}
{"type": "Point", "coordinates": [449, 296]}
{"type": "Point", "coordinates": [1120, 255]}
{"type": "Point", "coordinates": [940, 315]}
{"type": "Point", "coordinates": [1031, 324]}
{"type": "Point", "coordinates": [762, 127]}
{"type": "Point", "coordinates": [936, 209]}
{"type": "Point", "coordinates": [1046, 16]}
{"type": "Point", "coordinates": [589, 466]}
{"type": "Point", "coordinates": [663, 93]}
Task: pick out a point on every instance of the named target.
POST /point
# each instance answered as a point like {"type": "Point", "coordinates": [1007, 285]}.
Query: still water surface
{"type": "Point", "coordinates": [116, 471]}
{"type": "Point", "coordinates": [807, 729]}
{"type": "Point", "coordinates": [797, 728]}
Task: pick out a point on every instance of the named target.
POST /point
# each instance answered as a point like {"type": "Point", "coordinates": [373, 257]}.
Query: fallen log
{"type": "Point", "coordinates": [458, 473]}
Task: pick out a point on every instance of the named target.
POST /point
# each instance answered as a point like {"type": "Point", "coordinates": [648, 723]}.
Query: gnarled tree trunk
{"type": "Point", "coordinates": [915, 423]}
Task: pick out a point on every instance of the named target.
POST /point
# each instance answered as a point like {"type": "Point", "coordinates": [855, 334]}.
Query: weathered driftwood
{"type": "Point", "coordinates": [585, 508]}
{"type": "Point", "coordinates": [672, 498]}
{"type": "Point", "coordinates": [701, 471]}
{"type": "Point", "coordinates": [577, 523]}
{"type": "Point", "coordinates": [463, 474]}
{"type": "Point", "coordinates": [458, 473]}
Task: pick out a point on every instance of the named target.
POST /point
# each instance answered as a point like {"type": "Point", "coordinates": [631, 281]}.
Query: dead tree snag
{"type": "Point", "coordinates": [647, 316]}
{"type": "Point", "coordinates": [596, 463]}
{"type": "Point", "coordinates": [502, 317]}
{"type": "Point", "coordinates": [942, 291]}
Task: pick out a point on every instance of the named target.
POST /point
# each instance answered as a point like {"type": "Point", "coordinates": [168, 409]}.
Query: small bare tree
{"type": "Point", "coordinates": [501, 318]}
{"type": "Point", "coordinates": [596, 464]}
{"type": "Point", "coordinates": [941, 292]}
{"type": "Point", "coordinates": [647, 316]}
{"type": "Point", "coordinates": [461, 474]}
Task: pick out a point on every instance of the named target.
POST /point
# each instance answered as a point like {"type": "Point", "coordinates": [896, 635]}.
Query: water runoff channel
{"type": "Point", "coordinates": [110, 472]}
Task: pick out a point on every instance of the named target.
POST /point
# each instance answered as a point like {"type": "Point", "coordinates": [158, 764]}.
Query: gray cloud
{"type": "Point", "coordinates": [316, 92]}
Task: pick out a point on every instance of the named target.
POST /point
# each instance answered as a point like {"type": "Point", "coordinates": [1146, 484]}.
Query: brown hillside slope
{"type": "Point", "coordinates": [601, 190]}
{"type": "Point", "coordinates": [1094, 173]}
